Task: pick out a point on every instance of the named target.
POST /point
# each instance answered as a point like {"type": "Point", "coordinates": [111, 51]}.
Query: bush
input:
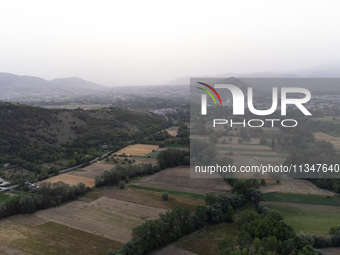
{"type": "Point", "coordinates": [165, 195]}
{"type": "Point", "coordinates": [263, 182]}
{"type": "Point", "coordinates": [127, 179]}
{"type": "Point", "coordinates": [121, 184]}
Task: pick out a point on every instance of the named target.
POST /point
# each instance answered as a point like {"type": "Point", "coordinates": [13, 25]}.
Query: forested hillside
{"type": "Point", "coordinates": [38, 135]}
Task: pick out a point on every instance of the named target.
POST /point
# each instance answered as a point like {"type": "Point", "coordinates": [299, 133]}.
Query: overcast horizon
{"type": "Point", "coordinates": [153, 42]}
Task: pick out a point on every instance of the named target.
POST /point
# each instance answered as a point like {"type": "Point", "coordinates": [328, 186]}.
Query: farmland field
{"type": "Point", "coordinates": [328, 138]}
{"type": "Point", "coordinates": [173, 131]}
{"type": "Point", "coordinates": [91, 170]}
{"type": "Point", "coordinates": [137, 149]}
{"type": "Point", "coordinates": [296, 186]}
{"type": "Point", "coordinates": [70, 179]}
{"type": "Point", "coordinates": [146, 197]}
{"type": "Point", "coordinates": [25, 232]}
{"type": "Point", "coordinates": [308, 219]}
{"type": "Point", "coordinates": [301, 199]}
{"type": "Point", "coordinates": [116, 222]}
{"type": "Point", "coordinates": [178, 179]}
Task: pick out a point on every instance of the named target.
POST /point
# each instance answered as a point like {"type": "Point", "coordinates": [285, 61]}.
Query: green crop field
{"type": "Point", "coordinates": [334, 134]}
{"type": "Point", "coordinates": [263, 155]}
{"type": "Point", "coordinates": [246, 139]}
{"type": "Point", "coordinates": [241, 149]}
{"type": "Point", "coordinates": [301, 199]}
{"type": "Point", "coordinates": [152, 154]}
{"type": "Point", "coordinates": [309, 220]}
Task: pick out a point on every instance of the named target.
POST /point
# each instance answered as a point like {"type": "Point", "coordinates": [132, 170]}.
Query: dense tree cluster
{"type": "Point", "coordinates": [172, 158]}
{"type": "Point", "coordinates": [119, 173]}
{"type": "Point", "coordinates": [46, 196]}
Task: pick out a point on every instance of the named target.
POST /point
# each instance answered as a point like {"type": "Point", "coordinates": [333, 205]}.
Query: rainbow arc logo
{"type": "Point", "coordinates": [209, 93]}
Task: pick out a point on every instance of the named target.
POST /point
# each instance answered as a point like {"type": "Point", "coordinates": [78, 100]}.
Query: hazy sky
{"type": "Point", "coordinates": [152, 42]}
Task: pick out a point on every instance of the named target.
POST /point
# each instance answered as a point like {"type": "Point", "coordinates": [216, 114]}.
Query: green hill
{"type": "Point", "coordinates": [40, 135]}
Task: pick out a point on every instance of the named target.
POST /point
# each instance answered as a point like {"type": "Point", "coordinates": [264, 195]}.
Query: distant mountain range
{"type": "Point", "coordinates": [331, 70]}
{"type": "Point", "coordinates": [14, 86]}
{"type": "Point", "coordinates": [7, 80]}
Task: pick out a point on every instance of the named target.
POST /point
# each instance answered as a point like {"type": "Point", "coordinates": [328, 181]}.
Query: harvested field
{"type": "Point", "coordinates": [51, 238]}
{"type": "Point", "coordinates": [91, 170]}
{"type": "Point", "coordinates": [70, 179]}
{"type": "Point", "coordinates": [173, 131]}
{"type": "Point", "coordinates": [137, 149]}
{"type": "Point", "coordinates": [145, 197]}
{"type": "Point", "coordinates": [289, 185]}
{"type": "Point", "coordinates": [116, 222]}
{"type": "Point", "coordinates": [178, 179]}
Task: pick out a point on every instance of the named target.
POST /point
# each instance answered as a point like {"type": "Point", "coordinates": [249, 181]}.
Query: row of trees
{"type": "Point", "coordinates": [179, 222]}
{"type": "Point", "coordinates": [320, 241]}
{"type": "Point", "coordinates": [119, 173]}
{"type": "Point", "coordinates": [46, 196]}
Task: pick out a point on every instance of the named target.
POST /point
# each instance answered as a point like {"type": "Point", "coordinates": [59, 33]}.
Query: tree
{"type": "Point", "coordinates": [263, 141]}
{"type": "Point", "coordinates": [229, 217]}
{"type": "Point", "coordinates": [30, 177]}
{"type": "Point", "coordinates": [256, 243]}
{"type": "Point", "coordinates": [211, 198]}
{"type": "Point", "coordinates": [3, 210]}
{"type": "Point", "coordinates": [165, 195]}
{"type": "Point", "coordinates": [271, 243]}
{"type": "Point", "coordinates": [273, 143]}
{"type": "Point", "coordinates": [121, 184]}
{"type": "Point", "coordinates": [263, 182]}
{"type": "Point", "coordinates": [54, 170]}
{"type": "Point", "coordinates": [27, 204]}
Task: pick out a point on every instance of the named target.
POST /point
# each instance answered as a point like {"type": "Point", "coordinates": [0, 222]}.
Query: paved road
{"type": "Point", "coordinates": [62, 171]}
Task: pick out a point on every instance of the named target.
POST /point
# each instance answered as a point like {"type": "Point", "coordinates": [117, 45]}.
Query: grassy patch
{"type": "Point", "coordinates": [334, 134]}
{"type": "Point", "coordinates": [171, 192]}
{"type": "Point", "coordinates": [263, 155]}
{"type": "Point", "coordinates": [301, 199]}
{"type": "Point", "coordinates": [241, 149]}
{"type": "Point", "coordinates": [152, 154]}
{"type": "Point", "coordinates": [309, 220]}
{"type": "Point", "coordinates": [54, 238]}
{"type": "Point", "coordinates": [177, 145]}
{"type": "Point", "coordinates": [206, 242]}
{"type": "Point", "coordinates": [246, 139]}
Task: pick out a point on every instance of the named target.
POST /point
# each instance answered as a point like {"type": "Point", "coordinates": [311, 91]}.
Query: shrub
{"type": "Point", "coordinates": [121, 184]}
{"type": "Point", "coordinates": [127, 179]}
{"type": "Point", "coordinates": [263, 182]}
{"type": "Point", "coordinates": [165, 195]}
